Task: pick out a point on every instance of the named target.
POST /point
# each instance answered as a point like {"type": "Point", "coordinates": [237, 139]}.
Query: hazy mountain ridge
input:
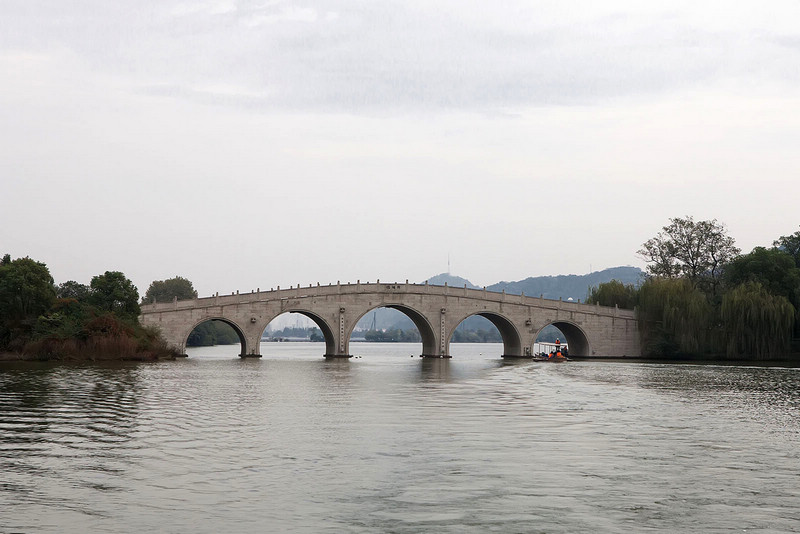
{"type": "Point", "coordinates": [450, 280]}
{"type": "Point", "coordinates": [566, 286]}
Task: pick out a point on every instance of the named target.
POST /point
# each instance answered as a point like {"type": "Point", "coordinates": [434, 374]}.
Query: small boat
{"type": "Point", "coordinates": [552, 357]}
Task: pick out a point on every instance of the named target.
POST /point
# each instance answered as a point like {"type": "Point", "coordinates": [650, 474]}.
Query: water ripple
{"type": "Point", "coordinates": [387, 443]}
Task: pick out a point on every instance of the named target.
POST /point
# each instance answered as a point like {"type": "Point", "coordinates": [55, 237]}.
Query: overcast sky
{"type": "Point", "coordinates": [246, 144]}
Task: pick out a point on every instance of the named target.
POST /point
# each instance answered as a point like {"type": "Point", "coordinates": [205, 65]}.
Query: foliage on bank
{"type": "Point", "coordinates": [756, 321]}
{"type": "Point", "coordinates": [72, 321]}
{"type": "Point", "coordinates": [393, 335]}
{"type": "Point", "coordinates": [212, 333]}
{"type": "Point", "coordinates": [703, 298]}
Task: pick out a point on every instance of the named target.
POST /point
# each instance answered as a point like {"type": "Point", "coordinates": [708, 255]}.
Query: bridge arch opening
{"type": "Point", "coordinates": [485, 327]}
{"type": "Point", "coordinates": [569, 335]}
{"type": "Point", "coordinates": [394, 323]}
{"type": "Point", "coordinates": [299, 325]}
{"type": "Point", "coordinates": [217, 332]}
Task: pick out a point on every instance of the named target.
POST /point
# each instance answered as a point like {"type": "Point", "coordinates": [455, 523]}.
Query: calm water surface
{"type": "Point", "coordinates": [391, 443]}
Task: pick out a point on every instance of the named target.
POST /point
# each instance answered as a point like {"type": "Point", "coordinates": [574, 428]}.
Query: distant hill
{"type": "Point", "coordinates": [450, 280]}
{"type": "Point", "coordinates": [568, 286]}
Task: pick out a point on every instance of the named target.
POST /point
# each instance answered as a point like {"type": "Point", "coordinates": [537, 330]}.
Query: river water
{"type": "Point", "coordinates": [387, 442]}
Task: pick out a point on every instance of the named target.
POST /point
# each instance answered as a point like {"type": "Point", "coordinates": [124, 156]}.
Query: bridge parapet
{"type": "Point", "coordinates": [360, 288]}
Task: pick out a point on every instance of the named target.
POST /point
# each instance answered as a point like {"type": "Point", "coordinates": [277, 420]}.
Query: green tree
{"type": "Point", "coordinates": [113, 292]}
{"type": "Point", "coordinates": [167, 290]}
{"type": "Point", "coordinates": [73, 290]}
{"type": "Point", "coordinates": [65, 320]}
{"type": "Point", "coordinates": [694, 250]}
{"type": "Point", "coordinates": [774, 269]}
{"type": "Point", "coordinates": [757, 323]}
{"type": "Point", "coordinates": [212, 332]}
{"type": "Point", "coordinates": [26, 292]}
{"type": "Point", "coordinates": [790, 244]}
{"type": "Point", "coordinates": [613, 293]}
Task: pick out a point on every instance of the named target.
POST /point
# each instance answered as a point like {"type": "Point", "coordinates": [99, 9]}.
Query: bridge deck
{"type": "Point", "coordinates": [385, 288]}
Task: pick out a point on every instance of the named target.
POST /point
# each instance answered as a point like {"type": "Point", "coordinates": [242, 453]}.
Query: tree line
{"type": "Point", "coordinates": [703, 298]}
{"type": "Point", "coordinates": [42, 320]}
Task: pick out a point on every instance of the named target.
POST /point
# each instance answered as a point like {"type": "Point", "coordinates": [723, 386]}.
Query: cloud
{"type": "Point", "coordinates": [184, 9]}
{"type": "Point", "coordinates": [251, 142]}
{"type": "Point", "coordinates": [371, 57]}
{"type": "Point", "coordinates": [290, 14]}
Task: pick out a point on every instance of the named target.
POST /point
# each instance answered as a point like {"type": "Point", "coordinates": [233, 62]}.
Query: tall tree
{"type": "Point", "coordinates": [695, 250]}
{"type": "Point", "coordinates": [26, 292]}
{"type": "Point", "coordinates": [113, 292]}
{"type": "Point", "coordinates": [166, 290]}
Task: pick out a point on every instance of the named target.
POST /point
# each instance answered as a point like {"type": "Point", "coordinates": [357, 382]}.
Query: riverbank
{"type": "Point", "coordinates": [111, 348]}
{"type": "Point", "coordinates": [140, 357]}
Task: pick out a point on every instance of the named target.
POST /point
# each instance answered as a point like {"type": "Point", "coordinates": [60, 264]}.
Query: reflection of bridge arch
{"type": "Point", "coordinates": [512, 341]}
{"type": "Point", "coordinates": [229, 322]}
{"type": "Point", "coordinates": [576, 339]}
{"type": "Point", "coordinates": [424, 327]}
{"type": "Point", "coordinates": [590, 330]}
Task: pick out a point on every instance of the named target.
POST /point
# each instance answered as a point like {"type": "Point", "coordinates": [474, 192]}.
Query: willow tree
{"type": "Point", "coordinates": [613, 293]}
{"type": "Point", "coordinates": [674, 317]}
{"type": "Point", "coordinates": [757, 323]}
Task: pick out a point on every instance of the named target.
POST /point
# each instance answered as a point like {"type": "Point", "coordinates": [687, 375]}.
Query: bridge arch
{"type": "Point", "coordinates": [512, 340]}
{"type": "Point", "coordinates": [426, 332]}
{"type": "Point", "coordinates": [322, 324]}
{"type": "Point", "coordinates": [575, 337]}
{"type": "Point", "coordinates": [229, 322]}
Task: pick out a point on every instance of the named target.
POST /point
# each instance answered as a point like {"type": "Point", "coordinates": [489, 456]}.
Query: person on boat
{"type": "Point", "coordinates": [558, 345]}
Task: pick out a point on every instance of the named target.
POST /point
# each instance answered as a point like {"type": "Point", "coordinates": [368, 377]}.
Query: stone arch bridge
{"type": "Point", "coordinates": [590, 330]}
